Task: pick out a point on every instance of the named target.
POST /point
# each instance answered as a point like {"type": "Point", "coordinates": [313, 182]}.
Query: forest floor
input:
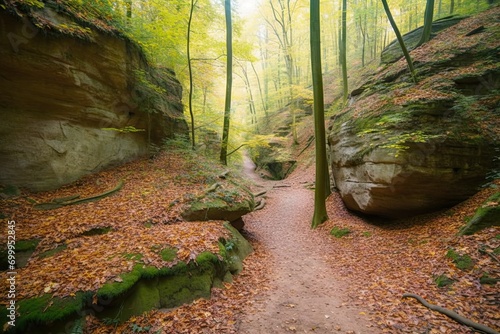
{"type": "Point", "coordinates": [296, 280]}
{"type": "Point", "coordinates": [354, 284]}
{"type": "Point", "coordinates": [306, 294]}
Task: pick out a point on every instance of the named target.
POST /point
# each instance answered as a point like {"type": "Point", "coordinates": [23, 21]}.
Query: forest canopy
{"type": "Point", "coordinates": [271, 48]}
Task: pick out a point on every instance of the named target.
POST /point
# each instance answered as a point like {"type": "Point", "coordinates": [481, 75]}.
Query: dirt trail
{"type": "Point", "coordinates": [306, 295]}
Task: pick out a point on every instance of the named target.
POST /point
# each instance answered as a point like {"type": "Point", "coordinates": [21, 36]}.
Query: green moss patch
{"type": "Point", "coordinates": [147, 287]}
{"type": "Point", "coordinates": [339, 232]}
{"type": "Point", "coordinates": [97, 231]}
{"type": "Point", "coordinates": [486, 216]}
{"type": "Point", "coordinates": [487, 279]}
{"type": "Point", "coordinates": [462, 262]}
{"type": "Point", "coordinates": [168, 254]}
{"type": "Point", "coordinates": [45, 310]}
{"type": "Point", "coordinates": [443, 280]}
{"type": "Point", "coordinates": [52, 252]}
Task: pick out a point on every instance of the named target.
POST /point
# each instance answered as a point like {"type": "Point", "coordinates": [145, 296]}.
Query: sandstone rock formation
{"type": "Point", "coordinates": [76, 100]}
{"type": "Point", "coordinates": [401, 148]}
{"type": "Point", "coordinates": [222, 201]}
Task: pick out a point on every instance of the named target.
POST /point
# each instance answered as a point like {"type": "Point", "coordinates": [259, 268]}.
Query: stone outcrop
{"type": "Point", "coordinates": [77, 100]}
{"type": "Point", "coordinates": [222, 201]}
{"type": "Point", "coordinates": [401, 148]}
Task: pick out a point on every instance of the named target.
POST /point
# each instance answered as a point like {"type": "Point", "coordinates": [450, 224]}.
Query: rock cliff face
{"type": "Point", "coordinates": [71, 105]}
{"type": "Point", "coordinates": [402, 148]}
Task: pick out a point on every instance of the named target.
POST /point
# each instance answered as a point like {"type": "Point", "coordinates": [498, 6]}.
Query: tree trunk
{"type": "Point", "coordinates": [343, 52]}
{"type": "Point", "coordinates": [190, 69]}
{"type": "Point", "coordinates": [428, 16]}
{"type": "Point", "coordinates": [400, 39]}
{"type": "Point", "coordinates": [322, 189]}
{"type": "Point", "coordinates": [229, 82]}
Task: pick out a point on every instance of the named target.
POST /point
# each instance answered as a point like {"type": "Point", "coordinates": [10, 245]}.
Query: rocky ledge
{"type": "Point", "coordinates": [76, 98]}
{"type": "Point", "coordinates": [403, 148]}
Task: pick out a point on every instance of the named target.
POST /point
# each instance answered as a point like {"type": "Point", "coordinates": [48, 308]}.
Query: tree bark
{"type": "Point", "coordinates": [229, 82]}
{"type": "Point", "coordinates": [322, 190]}
{"type": "Point", "coordinates": [190, 69]}
{"type": "Point", "coordinates": [400, 39]}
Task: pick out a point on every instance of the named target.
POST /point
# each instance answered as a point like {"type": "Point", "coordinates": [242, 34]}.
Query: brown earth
{"type": "Point", "coordinates": [305, 295]}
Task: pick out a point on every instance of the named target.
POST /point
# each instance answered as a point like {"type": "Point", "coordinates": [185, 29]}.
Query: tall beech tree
{"type": "Point", "coordinates": [343, 52]}
{"type": "Point", "coordinates": [322, 188]}
{"type": "Point", "coordinates": [229, 82]}
{"type": "Point", "coordinates": [400, 39]}
{"type": "Point", "coordinates": [190, 70]}
{"type": "Point", "coordinates": [428, 17]}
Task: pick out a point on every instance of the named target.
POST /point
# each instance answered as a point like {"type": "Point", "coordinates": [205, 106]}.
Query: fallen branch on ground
{"type": "Point", "coordinates": [455, 316]}
{"type": "Point", "coordinates": [71, 200]}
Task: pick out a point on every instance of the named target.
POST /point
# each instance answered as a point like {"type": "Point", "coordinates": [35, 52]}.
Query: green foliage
{"type": "Point", "coordinates": [178, 143]}
{"type": "Point", "coordinates": [339, 232]}
{"type": "Point", "coordinates": [487, 279]}
{"type": "Point", "coordinates": [443, 280]}
{"type": "Point", "coordinates": [127, 129]}
{"type": "Point", "coordinates": [401, 141]}
{"type": "Point", "coordinates": [462, 262]}
{"type": "Point", "coordinates": [139, 329]}
{"type": "Point", "coordinates": [367, 234]}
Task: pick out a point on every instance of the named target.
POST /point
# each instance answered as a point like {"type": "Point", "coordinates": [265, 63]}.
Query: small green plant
{"type": "Point", "coordinates": [127, 129]}
{"type": "Point", "coordinates": [462, 262]}
{"type": "Point", "coordinates": [139, 329]}
{"type": "Point", "coordinates": [443, 280]}
{"type": "Point", "coordinates": [339, 232]}
{"type": "Point", "coordinates": [367, 234]}
{"type": "Point", "coordinates": [487, 279]}
{"type": "Point", "coordinates": [227, 244]}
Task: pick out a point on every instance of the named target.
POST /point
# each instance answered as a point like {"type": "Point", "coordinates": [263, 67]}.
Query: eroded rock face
{"type": "Point", "coordinates": [70, 107]}
{"type": "Point", "coordinates": [422, 178]}
{"type": "Point", "coordinates": [401, 148]}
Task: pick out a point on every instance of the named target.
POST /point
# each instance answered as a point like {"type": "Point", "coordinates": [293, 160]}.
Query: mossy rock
{"type": "Point", "coordinates": [220, 202]}
{"type": "Point", "coordinates": [234, 250]}
{"type": "Point", "coordinates": [486, 216]}
{"type": "Point", "coordinates": [147, 288]}
{"type": "Point", "coordinates": [34, 314]}
{"type": "Point", "coordinates": [142, 289]}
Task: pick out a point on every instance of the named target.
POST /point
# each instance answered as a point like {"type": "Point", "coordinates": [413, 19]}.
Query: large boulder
{"type": "Point", "coordinates": [222, 201]}
{"type": "Point", "coordinates": [401, 148]}
{"type": "Point", "coordinates": [76, 98]}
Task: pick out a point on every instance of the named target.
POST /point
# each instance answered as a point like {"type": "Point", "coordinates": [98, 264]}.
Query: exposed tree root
{"type": "Point", "coordinates": [455, 316]}
{"type": "Point", "coordinates": [260, 205]}
{"type": "Point", "coordinates": [72, 200]}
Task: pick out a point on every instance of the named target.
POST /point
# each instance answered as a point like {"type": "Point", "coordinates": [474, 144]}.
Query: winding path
{"type": "Point", "coordinates": [306, 295]}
